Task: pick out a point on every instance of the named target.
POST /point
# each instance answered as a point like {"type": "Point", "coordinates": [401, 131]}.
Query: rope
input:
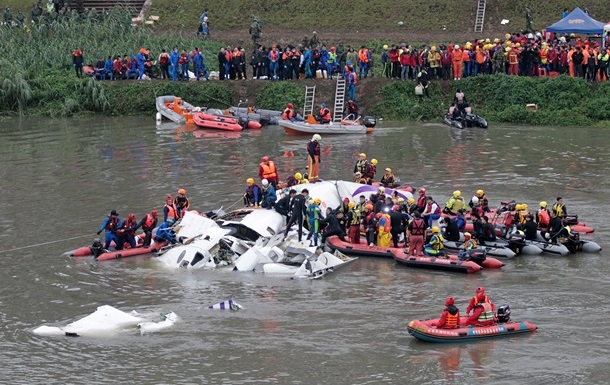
{"type": "Point", "coordinates": [45, 243]}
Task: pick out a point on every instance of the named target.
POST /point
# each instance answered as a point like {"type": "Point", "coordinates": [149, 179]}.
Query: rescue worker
{"type": "Point", "coordinates": [388, 179]}
{"type": "Point", "coordinates": [352, 80]}
{"type": "Point", "coordinates": [300, 179]}
{"type": "Point", "coordinates": [148, 223]}
{"type": "Point", "coordinates": [555, 227]}
{"type": "Point", "coordinates": [78, 62]}
{"type": "Point", "coordinates": [283, 205]}
{"type": "Point", "coordinates": [126, 232]}
{"type": "Point", "coordinates": [468, 245]}
{"type": "Point", "coordinates": [410, 207]}
{"type": "Point", "coordinates": [452, 231]}
{"type": "Point", "coordinates": [169, 210]}
{"type": "Point", "coordinates": [111, 225]}
{"type": "Point", "coordinates": [324, 117]}
{"type": "Point", "coordinates": [450, 318]}
{"type": "Point", "coordinates": [398, 223]}
{"type": "Point", "coordinates": [480, 291]}
{"type": "Point", "coordinates": [313, 152]}
{"type": "Point", "coordinates": [521, 213]}
{"type": "Point", "coordinates": [358, 178]}
{"type": "Point", "coordinates": [369, 223]}
{"type": "Point", "coordinates": [267, 170]}
{"type": "Point", "coordinates": [422, 200]}
{"type": "Point", "coordinates": [182, 203]}
{"type": "Point", "coordinates": [364, 57]}
{"type": "Point", "coordinates": [361, 164]}
{"type": "Point", "coordinates": [351, 110]}
{"type": "Point", "coordinates": [481, 203]}
{"type": "Point", "coordinates": [174, 58]}
{"type": "Point", "coordinates": [165, 232]}
{"type": "Point", "coordinates": [332, 226]}
{"type": "Point", "coordinates": [560, 208]}
{"type": "Point", "coordinates": [341, 212]}
{"type": "Point", "coordinates": [353, 221]}
{"type": "Point", "coordinates": [530, 228]}
{"type": "Point", "coordinates": [457, 62]}
{"type": "Point", "coordinates": [416, 230]}
{"type": "Point", "coordinates": [313, 217]}
{"type": "Point", "coordinates": [513, 60]}
{"type": "Point", "coordinates": [543, 217]}
{"type": "Point", "coordinates": [269, 196]}
{"type": "Point", "coordinates": [436, 244]}
{"type": "Point", "coordinates": [298, 211]}
{"type": "Point", "coordinates": [483, 313]}
{"type": "Point", "coordinates": [371, 170]}
{"type": "Point", "coordinates": [434, 61]}
{"type": "Point", "coordinates": [253, 194]}
{"type": "Point", "coordinates": [432, 211]}
{"type": "Point", "coordinates": [499, 61]}
{"type": "Point", "coordinates": [488, 231]}
{"type": "Point", "coordinates": [455, 203]}
{"type": "Point", "coordinates": [288, 113]}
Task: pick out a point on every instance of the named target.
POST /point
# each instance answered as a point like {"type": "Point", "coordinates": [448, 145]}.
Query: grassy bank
{"type": "Point", "coordinates": [373, 16]}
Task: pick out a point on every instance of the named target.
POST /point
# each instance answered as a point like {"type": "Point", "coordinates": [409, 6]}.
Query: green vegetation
{"type": "Point", "coordinates": [418, 16]}
{"type": "Point", "coordinates": [562, 101]}
{"type": "Point", "coordinates": [276, 95]}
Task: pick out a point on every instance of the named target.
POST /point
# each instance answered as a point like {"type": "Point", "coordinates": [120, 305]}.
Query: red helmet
{"type": "Point", "coordinates": [169, 198]}
{"type": "Point", "coordinates": [449, 301]}
{"type": "Point", "coordinates": [265, 158]}
{"type": "Point", "coordinates": [480, 290]}
{"type": "Point", "coordinates": [289, 105]}
{"type": "Point", "coordinates": [481, 297]}
{"type": "Point", "coordinates": [421, 190]}
{"type": "Point", "coordinates": [154, 213]}
{"type": "Point", "coordinates": [131, 217]}
{"type": "Point", "coordinates": [396, 208]}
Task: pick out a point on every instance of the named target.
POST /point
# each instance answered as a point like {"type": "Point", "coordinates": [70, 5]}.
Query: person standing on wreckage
{"type": "Point", "coordinates": [299, 210]}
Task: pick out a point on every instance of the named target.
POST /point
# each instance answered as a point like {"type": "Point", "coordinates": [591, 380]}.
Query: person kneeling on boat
{"type": "Point", "coordinates": [288, 113]}
{"type": "Point", "coordinates": [475, 300]}
{"type": "Point", "coordinates": [110, 224]}
{"type": "Point", "coordinates": [450, 319]}
{"type": "Point", "coordinates": [482, 314]}
{"type": "Point", "coordinates": [165, 232]}
{"type": "Point", "coordinates": [148, 223]}
{"type": "Point", "coordinates": [352, 111]}
{"type": "Point", "coordinates": [435, 246]}
{"type": "Point", "coordinates": [468, 246]}
{"type": "Point", "coordinates": [388, 179]}
{"type": "Point", "coordinates": [269, 196]}
{"type": "Point", "coordinates": [332, 226]}
{"type": "Point", "coordinates": [252, 194]}
{"type": "Point", "coordinates": [324, 117]}
{"type": "Point", "coordinates": [358, 178]}
{"type": "Point", "coordinates": [127, 232]}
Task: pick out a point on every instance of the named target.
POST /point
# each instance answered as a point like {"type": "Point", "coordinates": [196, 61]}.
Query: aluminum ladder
{"type": "Point", "coordinates": [339, 99]}
{"type": "Point", "coordinates": [478, 23]}
{"type": "Point", "coordinates": [310, 96]}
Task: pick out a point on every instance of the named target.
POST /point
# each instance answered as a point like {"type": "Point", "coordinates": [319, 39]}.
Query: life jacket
{"type": "Point", "coordinates": [559, 210]}
{"type": "Point", "coordinates": [437, 241]}
{"type": "Point", "coordinates": [465, 56]}
{"type": "Point", "coordinates": [544, 53]}
{"type": "Point", "coordinates": [171, 211]}
{"type": "Point", "coordinates": [543, 217]}
{"type": "Point", "coordinates": [419, 227]}
{"type": "Point", "coordinates": [324, 113]}
{"type": "Point", "coordinates": [332, 58]}
{"type": "Point", "coordinates": [150, 221]}
{"type": "Point", "coordinates": [127, 227]}
{"type": "Point", "coordinates": [457, 204]}
{"type": "Point", "coordinates": [522, 216]}
{"type": "Point", "coordinates": [353, 78]}
{"type": "Point", "coordinates": [470, 245]}
{"type": "Point", "coordinates": [452, 320]}
{"type": "Point", "coordinates": [274, 55]}
{"type": "Point", "coordinates": [356, 218]}
{"type": "Point", "coordinates": [181, 203]}
{"type": "Point", "coordinates": [475, 300]}
{"type": "Point", "coordinates": [112, 224]}
{"type": "Point", "coordinates": [228, 55]}
{"type": "Point", "coordinates": [313, 212]}
{"type": "Point", "coordinates": [371, 170]}
{"type": "Point", "coordinates": [513, 57]}
{"type": "Point", "coordinates": [363, 56]}
{"type": "Point", "coordinates": [269, 170]}
{"type": "Point", "coordinates": [487, 314]}
{"type": "Point", "coordinates": [429, 207]}
{"type": "Point", "coordinates": [361, 166]}
{"type": "Point", "coordinates": [421, 201]}
{"type": "Point", "coordinates": [77, 53]}
{"type": "Point", "coordinates": [288, 114]}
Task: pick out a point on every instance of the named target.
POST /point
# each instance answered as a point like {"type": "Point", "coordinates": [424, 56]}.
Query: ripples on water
{"type": "Point", "coordinates": [59, 178]}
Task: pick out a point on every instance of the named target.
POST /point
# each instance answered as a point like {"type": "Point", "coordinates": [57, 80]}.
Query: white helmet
{"type": "Point", "coordinates": [316, 138]}
{"type": "Point", "coordinates": [475, 199]}
{"type": "Point", "coordinates": [265, 182]}
{"type": "Point", "coordinates": [456, 46]}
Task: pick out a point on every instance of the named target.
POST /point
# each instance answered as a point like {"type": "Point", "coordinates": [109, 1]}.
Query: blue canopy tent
{"type": "Point", "coordinates": [577, 22]}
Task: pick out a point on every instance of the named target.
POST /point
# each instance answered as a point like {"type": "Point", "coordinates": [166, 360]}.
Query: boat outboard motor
{"type": "Point", "coordinates": [243, 122]}
{"type": "Point", "coordinates": [477, 256]}
{"type": "Point", "coordinates": [97, 248]}
{"type": "Point", "coordinates": [369, 121]}
{"type": "Point", "coordinates": [503, 314]}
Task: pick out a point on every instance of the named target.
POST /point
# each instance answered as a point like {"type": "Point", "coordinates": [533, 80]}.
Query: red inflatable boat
{"type": "Point", "coordinates": [204, 120]}
{"type": "Point", "coordinates": [86, 251]}
{"type": "Point", "coordinates": [426, 330]}
{"type": "Point", "coordinates": [450, 262]}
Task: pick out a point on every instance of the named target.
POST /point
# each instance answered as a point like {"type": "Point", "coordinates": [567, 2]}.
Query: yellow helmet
{"type": "Point", "coordinates": [487, 41]}
{"type": "Point", "coordinates": [433, 48]}
{"type": "Point", "coordinates": [351, 205]}
{"type": "Point", "coordinates": [507, 36]}
{"type": "Point", "coordinates": [467, 235]}
{"type": "Point", "coordinates": [401, 200]}
{"type": "Point", "coordinates": [298, 176]}
{"type": "Point", "coordinates": [468, 45]}
{"type": "Point", "coordinates": [457, 194]}
{"type": "Point", "coordinates": [518, 45]}
{"type": "Point", "coordinates": [524, 207]}
{"type": "Point", "coordinates": [518, 207]}
{"type": "Point", "coordinates": [362, 155]}
{"type": "Point", "coordinates": [385, 46]}
{"type": "Point", "coordinates": [508, 43]}
{"type": "Point", "coordinates": [435, 229]}
{"type": "Point", "coordinates": [543, 204]}
{"type": "Point", "coordinates": [310, 202]}
{"type": "Point", "coordinates": [388, 169]}
{"type": "Point", "coordinates": [250, 181]}
{"type": "Point", "coordinates": [317, 201]}
{"type": "Point", "coordinates": [480, 193]}
{"type": "Point", "coordinates": [374, 161]}
{"type": "Point", "coordinates": [410, 201]}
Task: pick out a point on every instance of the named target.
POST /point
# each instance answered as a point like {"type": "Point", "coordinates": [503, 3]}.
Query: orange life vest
{"type": "Point", "coordinates": [324, 113]}
{"type": "Point", "coordinates": [362, 55]}
{"type": "Point", "coordinates": [274, 55]}
{"type": "Point", "coordinates": [513, 57]}
{"type": "Point", "coordinates": [269, 170]}
{"type": "Point", "coordinates": [288, 114]}
{"type": "Point", "coordinates": [452, 320]}
{"type": "Point", "coordinates": [353, 78]}
{"type": "Point", "coordinates": [543, 217]}
{"type": "Point", "coordinates": [171, 211]}
{"type": "Point", "coordinates": [150, 220]}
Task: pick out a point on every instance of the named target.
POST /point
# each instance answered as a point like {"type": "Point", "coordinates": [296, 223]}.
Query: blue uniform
{"type": "Point", "coordinates": [133, 69]}
{"type": "Point", "coordinates": [313, 217]}
{"type": "Point", "coordinates": [110, 225]}
{"type": "Point", "coordinates": [269, 196]}
{"type": "Point", "coordinates": [108, 69]}
{"type": "Point", "coordinates": [173, 59]}
{"type": "Point", "coordinates": [165, 233]}
{"type": "Point", "coordinates": [128, 233]}
{"type": "Point", "coordinates": [200, 66]}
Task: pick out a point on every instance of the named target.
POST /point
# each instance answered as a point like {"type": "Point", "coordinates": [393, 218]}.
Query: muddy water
{"type": "Point", "coordinates": [60, 178]}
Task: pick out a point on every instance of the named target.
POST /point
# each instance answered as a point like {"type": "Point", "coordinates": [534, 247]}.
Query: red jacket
{"type": "Point", "coordinates": [451, 314]}
{"type": "Point", "coordinates": [474, 318]}
{"type": "Point", "coordinates": [405, 59]}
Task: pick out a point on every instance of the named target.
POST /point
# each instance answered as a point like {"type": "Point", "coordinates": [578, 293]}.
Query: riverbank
{"type": "Point", "coordinates": [561, 101]}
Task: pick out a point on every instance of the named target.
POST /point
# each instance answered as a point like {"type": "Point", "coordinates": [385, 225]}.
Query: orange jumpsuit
{"type": "Point", "coordinates": [457, 61]}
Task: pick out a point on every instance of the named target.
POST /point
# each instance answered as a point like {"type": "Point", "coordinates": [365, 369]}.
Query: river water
{"type": "Point", "coordinates": [59, 178]}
